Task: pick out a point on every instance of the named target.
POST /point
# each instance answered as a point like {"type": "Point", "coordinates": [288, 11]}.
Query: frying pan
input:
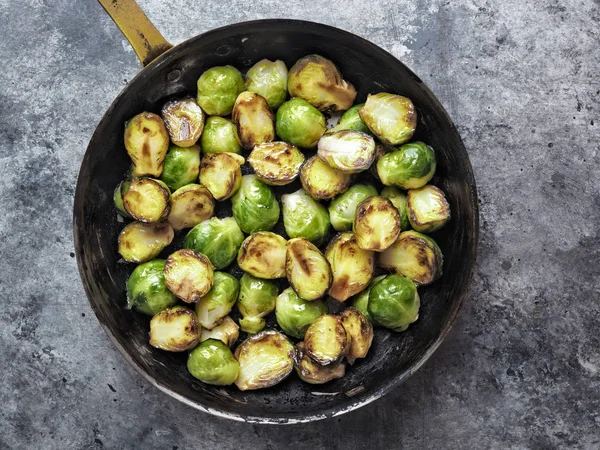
{"type": "Point", "coordinates": [171, 72]}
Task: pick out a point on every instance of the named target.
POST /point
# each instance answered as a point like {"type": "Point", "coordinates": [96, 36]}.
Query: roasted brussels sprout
{"type": "Point", "coordinates": [361, 331]}
{"type": "Point", "coordinates": [313, 373]}
{"type": "Point", "coordinates": [146, 142]}
{"type": "Point", "coordinates": [220, 136]}
{"type": "Point", "coordinates": [174, 329]}
{"type": "Point", "coordinates": [409, 167]}
{"type": "Point", "coordinates": [394, 302]}
{"type": "Point", "coordinates": [415, 256]}
{"type": "Point", "coordinates": [147, 200]}
{"type": "Point", "coordinates": [300, 123]}
{"type": "Point", "coordinates": [189, 275]}
{"type": "Point", "coordinates": [218, 88]}
{"type": "Point", "coordinates": [347, 150]}
{"type": "Point", "coordinates": [227, 332]}
{"type": "Point", "coordinates": [146, 289]}
{"type": "Point", "coordinates": [318, 80]}
{"type": "Point", "coordinates": [276, 163]}
{"type": "Point", "coordinates": [360, 302]}
{"type": "Point", "coordinates": [256, 300]}
{"type": "Point", "coordinates": [184, 120]}
{"type": "Point", "coordinates": [305, 217]}
{"type": "Point", "coordinates": [213, 363]}
{"type": "Point", "coordinates": [121, 188]}
{"type": "Point", "coordinates": [265, 360]}
{"type": "Point", "coordinates": [307, 269]}
{"type": "Point", "coordinates": [217, 303]}
{"type": "Point", "coordinates": [295, 314]}
{"type": "Point", "coordinates": [221, 173]}
{"type": "Point", "coordinates": [254, 206]}
{"type": "Point", "coordinates": [253, 119]}
{"type": "Point", "coordinates": [351, 120]}
{"type": "Point", "coordinates": [392, 118]}
{"type": "Point", "coordinates": [190, 205]}
{"type": "Point", "coordinates": [398, 199]}
{"type": "Point", "coordinates": [218, 239]}
{"type": "Point", "coordinates": [268, 79]}
{"type": "Point", "coordinates": [181, 166]}
{"type": "Point", "coordinates": [377, 224]}
{"type": "Point", "coordinates": [263, 255]}
{"type": "Point", "coordinates": [140, 242]}
{"type": "Point", "coordinates": [321, 181]}
{"type": "Point", "coordinates": [326, 340]}
{"type": "Point", "coordinates": [428, 209]}
{"type": "Point", "coordinates": [342, 209]}
{"type": "Point", "coordinates": [351, 266]}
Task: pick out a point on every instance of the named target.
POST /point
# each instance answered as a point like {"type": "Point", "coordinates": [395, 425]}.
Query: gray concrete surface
{"type": "Point", "coordinates": [520, 369]}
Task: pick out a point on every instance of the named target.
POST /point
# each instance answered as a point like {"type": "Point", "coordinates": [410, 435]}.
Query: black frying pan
{"type": "Point", "coordinates": [172, 72]}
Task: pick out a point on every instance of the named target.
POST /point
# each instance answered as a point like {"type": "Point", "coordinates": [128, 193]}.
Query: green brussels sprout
{"type": "Point", "coordinates": [254, 206]}
{"type": "Point", "coordinates": [174, 329]}
{"type": "Point", "coordinates": [319, 81]}
{"type": "Point", "coordinates": [221, 173]}
{"type": "Point", "coordinates": [326, 340]}
{"type": "Point", "coordinates": [256, 300]}
{"type": "Point", "coordinates": [380, 150]}
{"type": "Point", "coordinates": [398, 199]}
{"type": "Point", "coordinates": [190, 205]}
{"type": "Point", "coordinates": [392, 118]}
{"type": "Point", "coordinates": [377, 224]}
{"type": "Point", "coordinates": [342, 208]}
{"type": "Point", "coordinates": [351, 120]}
{"type": "Point", "coordinates": [360, 302]}
{"type": "Point", "coordinates": [217, 303]}
{"type": "Point", "coordinates": [312, 372]}
{"type": "Point", "coordinates": [307, 270]}
{"type": "Point", "coordinates": [213, 363]}
{"type": "Point", "coordinates": [305, 217]}
{"type": "Point", "coordinates": [359, 328]}
{"type": "Point", "coordinates": [300, 123]}
{"type": "Point", "coordinates": [218, 88]}
{"type": "Point", "coordinates": [147, 200]}
{"type": "Point", "coordinates": [253, 119]}
{"type": "Point", "coordinates": [140, 242]}
{"type": "Point", "coordinates": [184, 120]}
{"type": "Point", "coordinates": [268, 79]}
{"type": "Point", "coordinates": [428, 209]}
{"type": "Point", "coordinates": [218, 239]}
{"type": "Point", "coordinates": [347, 150]}
{"type": "Point", "coordinates": [295, 314]}
{"type": "Point", "coordinates": [227, 332]}
{"type": "Point", "coordinates": [146, 142]}
{"type": "Point", "coordinates": [181, 166]}
{"type": "Point", "coordinates": [409, 167]}
{"type": "Point", "coordinates": [121, 188]}
{"type": "Point", "coordinates": [321, 181]}
{"type": "Point", "coordinates": [189, 275]}
{"type": "Point", "coordinates": [146, 289]}
{"type": "Point", "coordinates": [394, 302]}
{"type": "Point", "coordinates": [276, 163]}
{"type": "Point", "coordinates": [220, 136]}
{"type": "Point", "coordinates": [263, 255]}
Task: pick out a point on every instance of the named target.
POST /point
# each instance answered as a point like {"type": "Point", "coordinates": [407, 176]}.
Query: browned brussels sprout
{"type": "Point", "coordinates": [321, 181]}
{"type": "Point", "coordinates": [326, 340]}
{"type": "Point", "coordinates": [307, 269]}
{"type": "Point", "coordinates": [276, 163]}
{"type": "Point", "coordinates": [147, 200]}
{"type": "Point", "coordinates": [377, 224]}
{"type": "Point", "coordinates": [140, 242]}
{"type": "Point", "coordinates": [263, 255]}
{"type": "Point", "coordinates": [347, 150]}
{"type": "Point", "coordinates": [146, 142]}
{"type": "Point", "coordinates": [253, 119]}
{"type": "Point", "coordinates": [313, 373]}
{"type": "Point", "coordinates": [392, 118]}
{"type": "Point", "coordinates": [189, 275]}
{"type": "Point", "coordinates": [428, 209]}
{"type": "Point", "coordinates": [174, 329]}
{"type": "Point", "coordinates": [360, 329]}
{"type": "Point", "coordinates": [184, 120]}
{"type": "Point", "coordinates": [190, 205]}
{"type": "Point", "coordinates": [227, 332]}
{"type": "Point", "coordinates": [221, 173]}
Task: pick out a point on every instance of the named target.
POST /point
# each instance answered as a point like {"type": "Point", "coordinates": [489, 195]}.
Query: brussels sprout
{"type": "Point", "coordinates": [227, 332]}
{"type": "Point", "coordinates": [428, 209]}
{"type": "Point", "coordinates": [300, 123]}
{"type": "Point", "coordinates": [351, 120]}
{"type": "Point", "coordinates": [313, 373]}
{"type": "Point", "coordinates": [174, 329]}
{"type": "Point", "coordinates": [220, 136]}
{"type": "Point", "coordinates": [263, 255]}
{"type": "Point", "coordinates": [146, 142]}
{"type": "Point", "coordinates": [318, 80]}
{"type": "Point", "coordinates": [218, 239]}
{"type": "Point", "coordinates": [360, 329]}
{"type": "Point", "coordinates": [392, 118]}
{"type": "Point", "coordinates": [256, 300]}
{"type": "Point", "coordinates": [398, 199]}
{"type": "Point", "coordinates": [394, 302]}
{"type": "Point", "coordinates": [213, 363]}
{"type": "Point", "coordinates": [305, 217]}
{"type": "Point", "coordinates": [377, 224]}
{"type": "Point", "coordinates": [184, 120]}
{"type": "Point", "coordinates": [265, 360]}
{"type": "Point", "coordinates": [221, 173]}
{"type": "Point", "coordinates": [326, 340]}
{"type": "Point", "coordinates": [360, 302]}
{"type": "Point", "coordinates": [189, 275]}
{"type": "Point", "coordinates": [268, 79]}
{"type": "Point", "coordinates": [342, 209]}
{"type": "Point", "coordinates": [253, 119]}
{"type": "Point", "coordinates": [276, 163]}
{"type": "Point", "coordinates": [380, 150]}
{"type": "Point", "coordinates": [121, 188]}
{"type": "Point", "coordinates": [147, 200]}
{"type": "Point", "coordinates": [321, 181]}
{"type": "Point", "coordinates": [254, 206]}
{"type": "Point", "coordinates": [295, 314]}
{"type": "Point", "coordinates": [217, 303]}
{"type": "Point", "coordinates": [307, 269]}
{"type": "Point", "coordinates": [415, 256]}
{"type": "Point", "coordinates": [190, 205]}
{"type": "Point", "coordinates": [146, 289]}
{"type": "Point", "coordinates": [140, 242]}
{"type": "Point", "coordinates": [181, 166]}
{"type": "Point", "coordinates": [409, 167]}
{"type": "Point", "coordinates": [347, 150]}
{"type": "Point", "coordinates": [218, 88]}
{"type": "Point", "coordinates": [351, 266]}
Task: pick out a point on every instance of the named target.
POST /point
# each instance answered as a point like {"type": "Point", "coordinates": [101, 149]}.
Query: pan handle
{"type": "Point", "coordinates": [146, 40]}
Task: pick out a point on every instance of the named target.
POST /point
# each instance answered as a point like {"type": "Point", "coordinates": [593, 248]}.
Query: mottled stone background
{"type": "Point", "coordinates": [520, 368]}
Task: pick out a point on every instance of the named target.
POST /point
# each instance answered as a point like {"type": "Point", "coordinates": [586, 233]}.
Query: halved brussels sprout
{"type": "Point", "coordinates": [360, 302]}
{"type": "Point", "coordinates": [300, 123]}
{"type": "Point", "coordinates": [190, 205]}
{"type": "Point", "coordinates": [213, 363]}
{"type": "Point", "coordinates": [253, 119]}
{"type": "Point", "coordinates": [147, 200]}
{"type": "Point", "coordinates": [392, 118]}
{"type": "Point", "coordinates": [351, 120]}
{"type": "Point", "coordinates": [218, 239]}
{"type": "Point", "coordinates": [265, 360]}
{"type": "Point", "coordinates": [174, 329]}
{"type": "Point", "coordinates": [221, 173]}
{"type": "Point", "coordinates": [428, 209]}
{"type": "Point", "coordinates": [415, 256]}
{"type": "Point", "coordinates": [220, 136]}
{"type": "Point", "coordinates": [254, 206]}
{"type": "Point", "coordinates": [351, 266]}
{"type": "Point", "coordinates": [263, 255]}
{"type": "Point", "coordinates": [319, 81]}
{"type": "Point", "coordinates": [295, 314]}
{"type": "Point", "coordinates": [305, 217]}
{"type": "Point", "coordinates": [140, 242]}
{"type": "Point", "coordinates": [181, 166]}
{"type": "Point", "coordinates": [256, 300]}
{"type": "Point", "coordinates": [321, 181]}
{"type": "Point", "coordinates": [121, 188]}
{"type": "Point", "coordinates": [361, 331]}
{"type": "Point", "coordinates": [347, 150]}
{"type": "Point", "coordinates": [146, 142]}
{"type": "Point", "coordinates": [377, 224]}
{"type": "Point", "coordinates": [394, 302]}
{"type": "Point", "coordinates": [227, 332]}
{"type": "Point", "coordinates": [217, 303]}
{"type": "Point", "coordinates": [409, 167]}
{"type": "Point", "coordinates": [398, 199]}
{"type": "Point", "coordinates": [313, 373]}
{"type": "Point", "coordinates": [307, 269]}
{"type": "Point", "coordinates": [189, 275]}
{"type": "Point", "coordinates": [218, 88]}
{"type": "Point", "coordinates": [276, 163]}
{"type": "Point", "coordinates": [184, 120]}
{"type": "Point", "coordinates": [326, 340]}
{"type": "Point", "coordinates": [268, 79]}
{"type": "Point", "coordinates": [342, 209]}
{"type": "Point", "coordinates": [146, 289]}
